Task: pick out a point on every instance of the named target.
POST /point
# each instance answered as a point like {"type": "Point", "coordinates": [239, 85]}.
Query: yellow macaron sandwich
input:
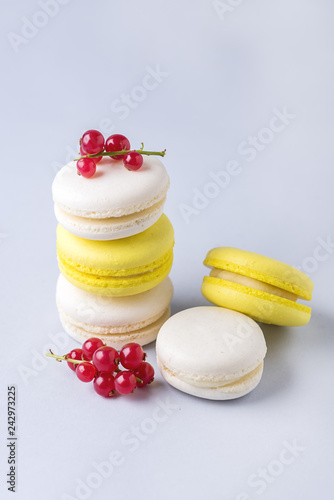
{"type": "Point", "coordinates": [261, 287]}
{"type": "Point", "coordinates": [119, 267]}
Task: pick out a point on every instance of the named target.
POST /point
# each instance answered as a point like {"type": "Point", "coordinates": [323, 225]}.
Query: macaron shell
{"type": "Point", "coordinates": [116, 257]}
{"type": "Point", "coordinates": [113, 191]}
{"type": "Point", "coordinates": [226, 392]}
{"type": "Point", "coordinates": [261, 306]}
{"type": "Point", "coordinates": [261, 268]}
{"type": "Point", "coordinates": [212, 343]}
{"type": "Point", "coordinates": [142, 336]}
{"type": "Point", "coordinates": [100, 314]}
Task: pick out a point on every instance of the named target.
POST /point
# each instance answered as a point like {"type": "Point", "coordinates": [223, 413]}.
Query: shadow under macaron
{"type": "Point", "coordinates": [277, 373]}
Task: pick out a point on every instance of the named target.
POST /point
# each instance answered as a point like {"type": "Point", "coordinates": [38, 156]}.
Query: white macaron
{"type": "Point", "coordinates": [116, 320]}
{"type": "Point", "coordinates": [211, 352]}
{"type": "Point", "coordinates": [114, 203]}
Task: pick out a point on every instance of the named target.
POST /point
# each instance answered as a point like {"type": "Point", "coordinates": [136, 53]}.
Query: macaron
{"type": "Point", "coordinates": [263, 288]}
{"type": "Point", "coordinates": [114, 203]}
{"type": "Point", "coordinates": [115, 320]}
{"type": "Point", "coordinates": [117, 267]}
{"type": "Point", "coordinates": [211, 352]}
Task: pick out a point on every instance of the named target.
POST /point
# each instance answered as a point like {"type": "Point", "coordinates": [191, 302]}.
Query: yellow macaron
{"type": "Point", "coordinates": [263, 288]}
{"type": "Point", "coordinates": [117, 267]}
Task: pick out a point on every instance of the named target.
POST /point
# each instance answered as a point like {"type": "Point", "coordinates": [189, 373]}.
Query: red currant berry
{"type": "Point", "coordinates": [132, 355]}
{"type": "Point", "coordinates": [125, 382]}
{"type": "Point", "coordinates": [92, 142]}
{"type": "Point", "coordinates": [85, 371]}
{"type": "Point", "coordinates": [133, 160]}
{"type": "Point", "coordinates": [74, 354]}
{"type": "Point", "coordinates": [90, 346]}
{"type": "Point", "coordinates": [86, 167]}
{"type": "Point", "coordinates": [117, 142]}
{"type": "Point", "coordinates": [106, 359]}
{"type": "Point", "coordinates": [145, 372]}
{"type": "Point", "coordinates": [83, 153]}
{"type": "Point", "coordinates": [104, 385]}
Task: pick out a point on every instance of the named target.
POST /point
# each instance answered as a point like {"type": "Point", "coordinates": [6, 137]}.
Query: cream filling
{"type": "Point", "coordinates": [115, 212]}
{"type": "Point", "coordinates": [252, 283]}
{"type": "Point", "coordinates": [117, 340]}
{"type": "Point", "coordinates": [109, 329]}
{"type": "Point", "coordinates": [100, 224]}
{"type": "Point", "coordinates": [216, 382]}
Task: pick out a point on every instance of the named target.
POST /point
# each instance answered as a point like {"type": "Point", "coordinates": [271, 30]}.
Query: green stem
{"type": "Point", "coordinates": [63, 358]}
{"type": "Point", "coordinates": [117, 153]}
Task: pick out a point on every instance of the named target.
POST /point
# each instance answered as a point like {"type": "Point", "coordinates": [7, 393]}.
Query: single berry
{"type": "Point", "coordinates": [84, 153]}
{"type": "Point", "coordinates": [145, 372]}
{"type": "Point", "coordinates": [132, 355]}
{"type": "Point", "coordinates": [90, 346]}
{"type": "Point", "coordinates": [125, 382]}
{"type": "Point", "coordinates": [86, 167]}
{"type": "Point", "coordinates": [92, 142]}
{"type": "Point", "coordinates": [133, 160]}
{"type": "Point", "coordinates": [74, 354]}
{"type": "Point", "coordinates": [117, 142]}
{"type": "Point", "coordinates": [85, 371]}
{"type": "Point", "coordinates": [104, 385]}
{"type": "Point", "coordinates": [106, 359]}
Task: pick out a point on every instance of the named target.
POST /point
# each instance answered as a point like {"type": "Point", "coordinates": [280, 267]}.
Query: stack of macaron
{"type": "Point", "coordinates": [218, 352]}
{"type": "Point", "coordinates": [115, 251]}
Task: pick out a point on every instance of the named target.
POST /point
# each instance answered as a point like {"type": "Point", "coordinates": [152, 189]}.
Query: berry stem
{"type": "Point", "coordinates": [116, 153]}
{"type": "Point", "coordinates": [63, 358]}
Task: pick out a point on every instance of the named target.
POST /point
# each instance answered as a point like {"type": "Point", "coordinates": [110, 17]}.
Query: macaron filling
{"type": "Point", "coordinates": [261, 268]}
{"type": "Point", "coordinates": [109, 216]}
{"type": "Point", "coordinates": [142, 336]}
{"type": "Point", "coordinates": [138, 327]}
{"type": "Point", "coordinates": [252, 283]}
{"type": "Point", "coordinates": [101, 225]}
{"type": "Point", "coordinates": [211, 381]}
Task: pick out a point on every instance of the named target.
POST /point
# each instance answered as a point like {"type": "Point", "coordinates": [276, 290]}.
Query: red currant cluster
{"type": "Point", "coordinates": [93, 147]}
{"type": "Point", "coordinates": [100, 363]}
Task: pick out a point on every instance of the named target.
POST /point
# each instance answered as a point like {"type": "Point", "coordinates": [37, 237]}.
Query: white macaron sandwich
{"type": "Point", "coordinates": [114, 203]}
{"type": "Point", "coordinates": [115, 320]}
{"type": "Point", "coordinates": [211, 352]}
